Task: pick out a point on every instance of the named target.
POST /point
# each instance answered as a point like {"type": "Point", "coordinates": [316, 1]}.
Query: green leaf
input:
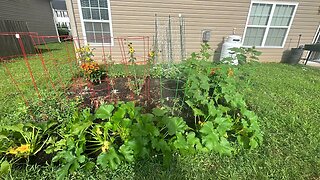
{"type": "Point", "coordinates": [138, 145]}
{"type": "Point", "coordinates": [224, 124]}
{"type": "Point", "coordinates": [212, 140]}
{"type": "Point", "coordinates": [193, 141]}
{"type": "Point", "coordinates": [210, 137]}
{"type": "Point", "coordinates": [5, 167]}
{"type": "Point", "coordinates": [4, 137]}
{"type": "Point", "coordinates": [63, 171]}
{"type": "Point", "coordinates": [158, 112]}
{"type": "Point", "coordinates": [119, 114]}
{"type": "Point", "coordinates": [89, 166]}
{"type": "Point", "coordinates": [127, 151]}
{"type": "Point", "coordinates": [104, 112]}
{"type": "Point", "coordinates": [78, 128]}
{"type": "Point", "coordinates": [196, 111]}
{"type": "Point", "coordinates": [126, 122]}
{"type": "Point", "coordinates": [86, 114]}
{"type": "Point", "coordinates": [109, 159]}
{"type": "Point", "coordinates": [176, 125]}
{"type": "Point", "coordinates": [180, 143]}
{"type": "Point", "coordinates": [160, 144]}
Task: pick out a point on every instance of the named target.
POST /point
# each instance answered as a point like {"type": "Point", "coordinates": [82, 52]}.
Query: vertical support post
{"type": "Point", "coordinates": [27, 63]}
{"type": "Point", "coordinates": [156, 45]}
{"type": "Point", "coordinates": [167, 45]}
{"type": "Point", "coordinates": [181, 37]}
{"type": "Point", "coordinates": [170, 40]}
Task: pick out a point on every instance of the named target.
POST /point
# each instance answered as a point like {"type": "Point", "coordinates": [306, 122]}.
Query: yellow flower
{"type": "Point", "coordinates": [24, 148]}
{"type": "Point", "coordinates": [12, 151]}
{"type": "Point", "coordinates": [98, 131]}
{"type": "Point", "coordinates": [105, 146]}
{"type": "Point", "coordinates": [230, 72]}
{"type": "Point", "coordinates": [131, 50]}
{"type": "Point", "coordinates": [88, 58]}
{"type": "Point", "coordinates": [151, 54]}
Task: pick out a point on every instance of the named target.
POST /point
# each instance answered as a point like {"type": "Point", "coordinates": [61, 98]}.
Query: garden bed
{"type": "Point", "coordinates": [154, 92]}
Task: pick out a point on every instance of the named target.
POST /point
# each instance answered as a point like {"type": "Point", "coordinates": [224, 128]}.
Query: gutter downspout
{"type": "Point", "coordinates": [54, 21]}
{"type": "Point", "coordinates": [75, 21]}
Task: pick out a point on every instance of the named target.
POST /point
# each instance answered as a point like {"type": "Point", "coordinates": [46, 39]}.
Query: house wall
{"type": "Point", "coordinates": [136, 18]}
{"type": "Point", "coordinates": [37, 14]}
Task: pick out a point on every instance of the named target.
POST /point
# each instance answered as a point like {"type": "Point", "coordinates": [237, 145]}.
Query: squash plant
{"type": "Point", "coordinates": [221, 117]}
{"type": "Point", "coordinates": [113, 134]}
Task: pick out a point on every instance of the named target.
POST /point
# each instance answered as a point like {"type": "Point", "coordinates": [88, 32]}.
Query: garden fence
{"type": "Point", "coordinates": [54, 67]}
{"type": "Point", "coordinates": [169, 38]}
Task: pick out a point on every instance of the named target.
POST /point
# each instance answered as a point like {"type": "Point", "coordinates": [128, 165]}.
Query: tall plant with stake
{"type": "Point", "coordinates": [136, 84]}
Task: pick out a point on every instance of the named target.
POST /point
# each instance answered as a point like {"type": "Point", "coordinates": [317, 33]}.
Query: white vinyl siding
{"type": "Point", "coordinates": [268, 24]}
{"type": "Point", "coordinates": [96, 21]}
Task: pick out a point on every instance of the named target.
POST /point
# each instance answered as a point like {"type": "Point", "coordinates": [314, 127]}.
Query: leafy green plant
{"type": "Point", "coordinates": [220, 112]}
{"type": "Point", "coordinates": [113, 134]}
{"type": "Point", "coordinates": [205, 53]}
{"type": "Point", "coordinates": [135, 85]}
{"type": "Point", "coordinates": [244, 55]}
{"type": "Point", "coordinates": [5, 167]}
{"type": "Point", "coordinates": [85, 54]}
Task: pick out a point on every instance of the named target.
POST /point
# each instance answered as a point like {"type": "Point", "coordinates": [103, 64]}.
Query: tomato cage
{"type": "Point", "coordinates": [125, 61]}
{"type": "Point", "coordinates": [31, 67]}
{"type": "Point", "coordinates": [44, 64]}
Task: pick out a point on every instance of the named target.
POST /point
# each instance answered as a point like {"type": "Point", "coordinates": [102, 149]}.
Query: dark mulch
{"type": "Point", "coordinates": [117, 89]}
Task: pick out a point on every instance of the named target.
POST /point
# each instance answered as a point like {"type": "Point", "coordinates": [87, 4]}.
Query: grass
{"type": "Point", "coordinates": [286, 99]}
{"type": "Point", "coordinates": [59, 74]}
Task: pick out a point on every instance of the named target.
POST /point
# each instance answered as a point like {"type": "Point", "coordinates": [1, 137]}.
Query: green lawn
{"type": "Point", "coordinates": [59, 74]}
{"type": "Point", "coordinates": [286, 99]}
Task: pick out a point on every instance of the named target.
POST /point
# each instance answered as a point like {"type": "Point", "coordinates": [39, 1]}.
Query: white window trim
{"type": "Point", "coordinates": [83, 27]}
{"type": "Point", "coordinates": [273, 3]}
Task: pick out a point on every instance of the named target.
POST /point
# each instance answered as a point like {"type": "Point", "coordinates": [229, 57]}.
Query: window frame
{"type": "Point", "coordinates": [268, 26]}
{"type": "Point", "coordinates": [94, 20]}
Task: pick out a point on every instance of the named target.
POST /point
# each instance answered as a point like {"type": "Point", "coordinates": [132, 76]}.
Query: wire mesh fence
{"type": "Point", "coordinates": [169, 39]}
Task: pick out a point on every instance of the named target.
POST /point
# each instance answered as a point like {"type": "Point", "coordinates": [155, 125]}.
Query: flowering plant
{"type": "Point", "coordinates": [89, 69]}
{"type": "Point", "coordinates": [92, 72]}
{"type": "Point", "coordinates": [85, 54]}
{"type": "Point", "coordinates": [135, 84]}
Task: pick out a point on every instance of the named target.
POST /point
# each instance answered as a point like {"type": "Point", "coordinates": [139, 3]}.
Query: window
{"type": "Point", "coordinates": [268, 24]}
{"type": "Point", "coordinates": [96, 20]}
